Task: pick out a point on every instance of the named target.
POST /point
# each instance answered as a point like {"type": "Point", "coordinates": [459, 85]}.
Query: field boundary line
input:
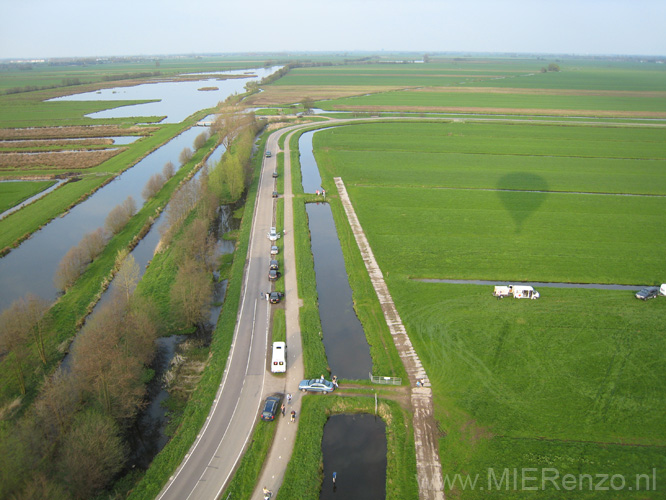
{"type": "Point", "coordinates": [428, 465]}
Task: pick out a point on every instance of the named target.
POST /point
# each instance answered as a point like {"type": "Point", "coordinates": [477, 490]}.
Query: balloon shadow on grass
{"type": "Point", "coordinates": [522, 194]}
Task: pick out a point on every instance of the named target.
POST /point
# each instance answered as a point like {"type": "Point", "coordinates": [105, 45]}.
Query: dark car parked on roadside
{"type": "Point", "coordinates": [648, 293]}
{"type": "Point", "coordinates": [271, 407]}
{"type": "Point", "coordinates": [273, 275]}
{"type": "Point", "coordinates": [274, 265]}
{"type": "Point", "coordinates": [275, 297]}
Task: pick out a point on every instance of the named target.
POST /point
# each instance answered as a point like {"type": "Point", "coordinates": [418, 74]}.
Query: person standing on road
{"type": "Point", "coordinates": [282, 409]}
{"type": "Point", "coordinates": [293, 415]}
{"type": "Point", "coordinates": [289, 398]}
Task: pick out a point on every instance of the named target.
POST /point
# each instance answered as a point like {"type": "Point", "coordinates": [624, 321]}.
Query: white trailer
{"type": "Point", "coordinates": [518, 292]}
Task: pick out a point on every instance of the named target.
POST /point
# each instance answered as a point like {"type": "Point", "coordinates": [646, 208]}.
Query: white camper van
{"type": "Point", "coordinates": [662, 289]}
{"type": "Point", "coordinates": [518, 292]}
{"type": "Point", "coordinates": [279, 361]}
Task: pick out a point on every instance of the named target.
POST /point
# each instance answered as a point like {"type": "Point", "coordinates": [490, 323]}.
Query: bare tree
{"type": "Point", "coordinates": [70, 268]}
{"type": "Point", "coordinates": [120, 215]}
{"type": "Point", "coordinates": [93, 243]}
{"type": "Point", "coordinates": [39, 487]}
{"type": "Point", "coordinates": [57, 403]}
{"type": "Point", "coordinates": [181, 204]}
{"type": "Point", "coordinates": [32, 310]}
{"type": "Point", "coordinates": [199, 245]}
{"type": "Point", "coordinates": [168, 170]}
{"type": "Point", "coordinates": [234, 176]}
{"type": "Point", "coordinates": [104, 367]}
{"type": "Point", "coordinates": [140, 330]}
{"type": "Point", "coordinates": [152, 187]}
{"type": "Point", "coordinates": [185, 156]}
{"type": "Point", "coordinates": [127, 277]}
{"type": "Point", "coordinates": [200, 140]}
{"type": "Point", "coordinates": [91, 454]}
{"type": "Point", "coordinates": [13, 340]}
{"type": "Point", "coordinates": [191, 293]}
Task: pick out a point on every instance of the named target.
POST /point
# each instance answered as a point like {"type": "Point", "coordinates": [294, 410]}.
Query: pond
{"type": "Point", "coordinates": [347, 349]}
{"type": "Point", "coordinates": [354, 448]}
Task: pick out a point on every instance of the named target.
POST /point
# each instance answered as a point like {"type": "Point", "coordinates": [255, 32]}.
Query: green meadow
{"type": "Point", "coordinates": [514, 101]}
{"type": "Point", "coordinates": [572, 381]}
{"type": "Point", "coordinates": [13, 193]}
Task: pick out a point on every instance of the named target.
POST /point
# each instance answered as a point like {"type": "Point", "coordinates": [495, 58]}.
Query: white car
{"type": "Point", "coordinates": [273, 234]}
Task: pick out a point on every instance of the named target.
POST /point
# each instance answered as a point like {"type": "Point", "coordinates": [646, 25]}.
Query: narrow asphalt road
{"type": "Point", "coordinates": [217, 450]}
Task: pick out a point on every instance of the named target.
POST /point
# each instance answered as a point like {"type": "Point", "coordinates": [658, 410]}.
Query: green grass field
{"type": "Point", "coordinates": [13, 193]}
{"type": "Point", "coordinates": [575, 74]}
{"type": "Point", "coordinates": [514, 101]}
{"type": "Point", "coordinates": [570, 382]}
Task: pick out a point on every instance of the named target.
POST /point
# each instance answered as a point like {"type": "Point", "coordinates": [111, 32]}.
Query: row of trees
{"type": "Point", "coordinates": [75, 261]}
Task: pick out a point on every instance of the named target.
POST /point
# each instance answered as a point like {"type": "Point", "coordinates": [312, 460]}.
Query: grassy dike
{"type": "Point", "coordinates": [198, 407]}
{"type": "Point", "coordinates": [303, 477]}
{"type": "Point", "coordinates": [69, 311]}
{"type": "Point", "coordinates": [18, 226]}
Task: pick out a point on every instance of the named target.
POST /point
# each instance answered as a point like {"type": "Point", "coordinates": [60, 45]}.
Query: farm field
{"type": "Point", "coordinates": [571, 381]}
{"type": "Point", "coordinates": [622, 104]}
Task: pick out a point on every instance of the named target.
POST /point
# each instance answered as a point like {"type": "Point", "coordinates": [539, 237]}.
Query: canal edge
{"type": "Point", "coordinates": [428, 465]}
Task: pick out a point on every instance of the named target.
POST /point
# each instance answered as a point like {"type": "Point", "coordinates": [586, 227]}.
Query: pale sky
{"type": "Point", "coordinates": [69, 28]}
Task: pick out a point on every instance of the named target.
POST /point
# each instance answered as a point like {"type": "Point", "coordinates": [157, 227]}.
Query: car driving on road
{"type": "Point", "coordinates": [316, 385]}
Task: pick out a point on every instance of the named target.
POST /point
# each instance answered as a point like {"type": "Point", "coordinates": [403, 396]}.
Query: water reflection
{"type": "Point", "coordinates": [347, 349]}
{"type": "Point", "coordinates": [354, 448]}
